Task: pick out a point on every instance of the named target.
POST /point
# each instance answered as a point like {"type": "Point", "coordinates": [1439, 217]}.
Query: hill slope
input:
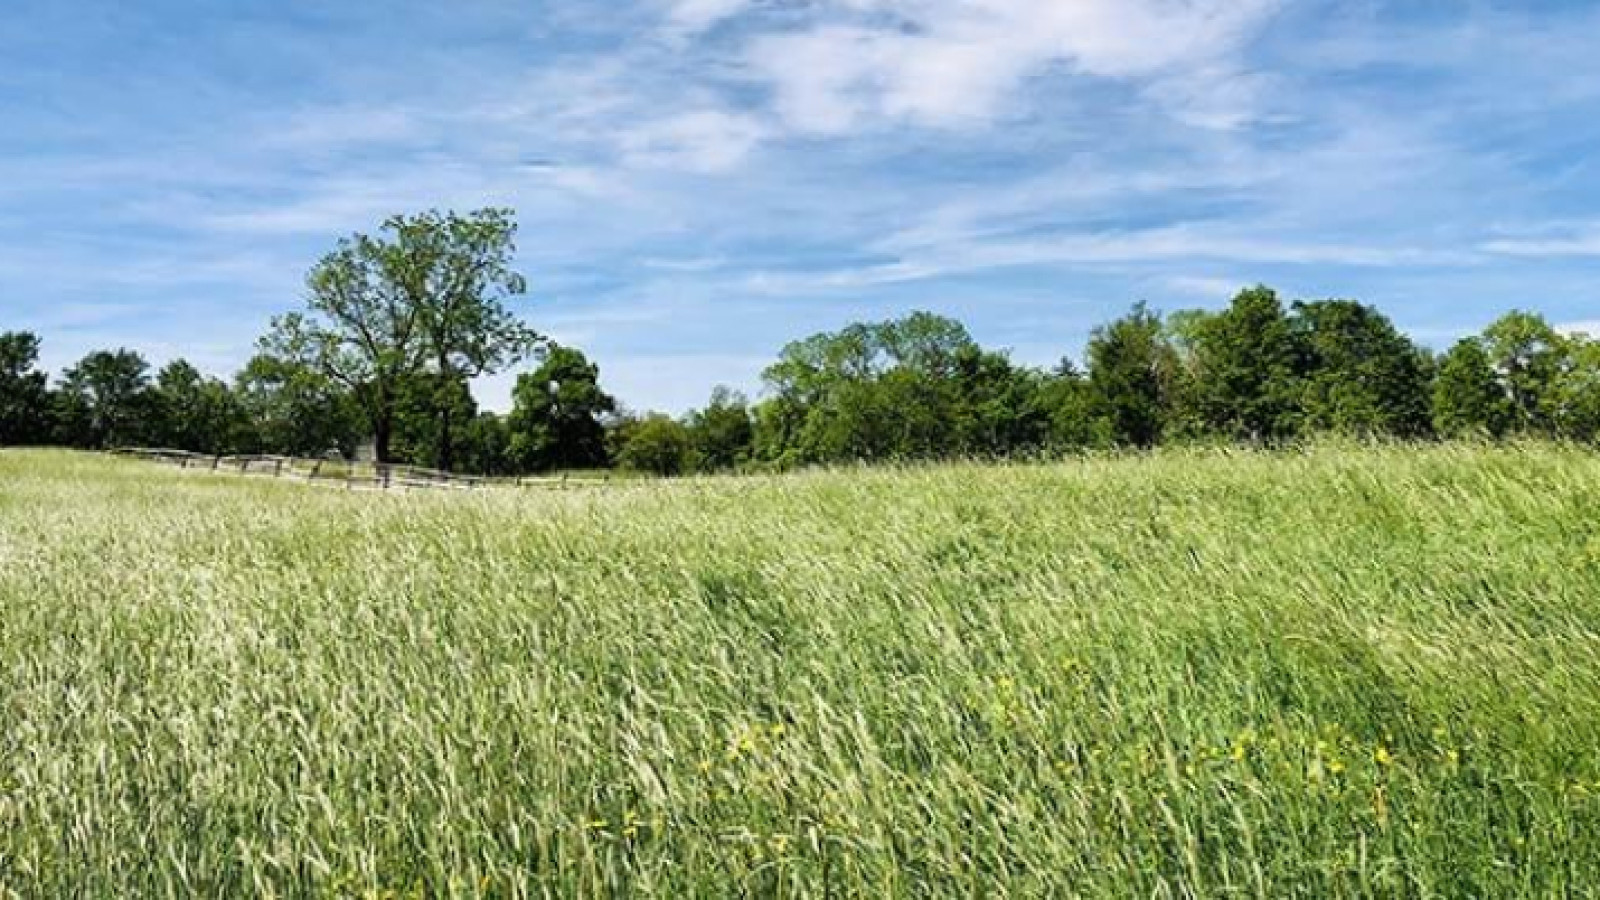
{"type": "Point", "coordinates": [1345, 672]}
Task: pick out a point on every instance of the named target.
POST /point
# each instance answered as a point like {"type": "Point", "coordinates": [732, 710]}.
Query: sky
{"type": "Point", "coordinates": [699, 182]}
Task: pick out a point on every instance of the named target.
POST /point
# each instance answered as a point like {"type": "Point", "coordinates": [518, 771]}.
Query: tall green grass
{"type": "Point", "coordinates": [1346, 672]}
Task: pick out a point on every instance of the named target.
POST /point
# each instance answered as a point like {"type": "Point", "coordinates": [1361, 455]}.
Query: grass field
{"type": "Point", "coordinates": [1344, 672]}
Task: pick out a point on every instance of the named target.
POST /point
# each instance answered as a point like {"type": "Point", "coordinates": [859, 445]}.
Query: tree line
{"type": "Point", "coordinates": [396, 325]}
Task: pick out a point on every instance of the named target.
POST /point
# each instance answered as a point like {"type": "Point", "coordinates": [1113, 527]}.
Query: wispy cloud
{"type": "Point", "coordinates": [699, 181]}
{"type": "Point", "coordinates": [1583, 242]}
{"type": "Point", "coordinates": [955, 63]}
{"type": "Point", "coordinates": [1207, 287]}
{"type": "Point", "coordinates": [1129, 250]}
{"type": "Point", "coordinates": [693, 16]}
{"type": "Point", "coordinates": [706, 140]}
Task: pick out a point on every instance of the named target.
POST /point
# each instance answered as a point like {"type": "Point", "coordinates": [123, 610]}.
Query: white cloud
{"type": "Point", "coordinates": [1183, 242]}
{"type": "Point", "coordinates": [1207, 287]}
{"type": "Point", "coordinates": [698, 15]}
{"type": "Point", "coordinates": [1217, 97]}
{"type": "Point", "coordinates": [1064, 172]}
{"type": "Point", "coordinates": [341, 127]}
{"type": "Point", "coordinates": [1581, 243]}
{"type": "Point", "coordinates": [1128, 250]}
{"type": "Point", "coordinates": [957, 62]}
{"type": "Point", "coordinates": [705, 140]}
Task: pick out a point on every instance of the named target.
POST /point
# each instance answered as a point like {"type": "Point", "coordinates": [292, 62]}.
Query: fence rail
{"type": "Point", "coordinates": [341, 473]}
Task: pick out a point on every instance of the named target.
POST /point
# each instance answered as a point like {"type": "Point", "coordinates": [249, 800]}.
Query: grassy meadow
{"type": "Point", "coordinates": [1340, 672]}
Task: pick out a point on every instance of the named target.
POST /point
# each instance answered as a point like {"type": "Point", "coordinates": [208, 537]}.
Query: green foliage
{"type": "Point", "coordinates": [657, 444]}
{"type": "Point", "coordinates": [467, 327]}
{"type": "Point", "coordinates": [921, 388]}
{"type": "Point", "coordinates": [556, 420]}
{"type": "Point", "coordinates": [923, 343]}
{"type": "Point", "coordinates": [723, 432]}
{"type": "Point", "coordinates": [199, 414]}
{"type": "Point", "coordinates": [424, 405]}
{"type": "Point", "coordinates": [24, 394]}
{"type": "Point", "coordinates": [296, 410]}
{"type": "Point", "coordinates": [1247, 364]}
{"type": "Point", "coordinates": [1574, 401]}
{"type": "Point", "coordinates": [396, 326]}
{"type": "Point", "coordinates": [106, 401]}
{"type": "Point", "coordinates": [485, 447]}
{"type": "Point", "coordinates": [429, 290]}
{"type": "Point", "coordinates": [913, 388]}
{"type": "Point", "coordinates": [1072, 414]}
{"type": "Point", "coordinates": [1468, 399]}
{"type": "Point", "coordinates": [1361, 376]}
{"type": "Point", "coordinates": [1131, 370]}
{"type": "Point", "coordinates": [1529, 356]}
{"type": "Point", "coordinates": [997, 408]}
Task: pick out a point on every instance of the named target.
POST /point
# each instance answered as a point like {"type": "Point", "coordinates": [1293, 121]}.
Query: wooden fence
{"type": "Point", "coordinates": [340, 473]}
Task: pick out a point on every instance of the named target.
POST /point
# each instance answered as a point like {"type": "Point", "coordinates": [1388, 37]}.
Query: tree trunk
{"type": "Point", "coordinates": [381, 432]}
{"type": "Point", "coordinates": [445, 453]}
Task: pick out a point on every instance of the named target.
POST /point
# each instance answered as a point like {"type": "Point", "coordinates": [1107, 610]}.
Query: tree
{"type": "Point", "coordinates": [723, 432]}
{"type": "Point", "coordinates": [196, 413]}
{"type": "Point", "coordinates": [1130, 370]}
{"type": "Point", "coordinates": [1247, 361]}
{"type": "Point", "coordinates": [1529, 356]}
{"type": "Point", "coordinates": [996, 405]}
{"type": "Point", "coordinates": [1362, 376]}
{"type": "Point", "coordinates": [807, 370]}
{"type": "Point", "coordinates": [428, 291]}
{"type": "Point", "coordinates": [806, 383]}
{"type": "Point", "coordinates": [426, 404]}
{"type": "Point", "coordinates": [1468, 398]}
{"type": "Point", "coordinates": [556, 415]}
{"type": "Point", "coordinates": [24, 392]}
{"type": "Point", "coordinates": [1576, 397]}
{"type": "Point", "coordinates": [778, 422]}
{"type": "Point", "coordinates": [486, 446]}
{"type": "Point", "coordinates": [295, 410]}
{"type": "Point", "coordinates": [925, 343]}
{"type": "Point", "coordinates": [107, 396]}
{"type": "Point", "coordinates": [466, 325]}
{"type": "Point", "coordinates": [657, 443]}
{"type": "Point", "coordinates": [1066, 401]}
{"type": "Point", "coordinates": [1184, 331]}
{"type": "Point", "coordinates": [869, 391]}
{"type": "Point", "coordinates": [905, 413]}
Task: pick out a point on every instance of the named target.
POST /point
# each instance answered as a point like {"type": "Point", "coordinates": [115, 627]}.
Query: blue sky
{"type": "Point", "coordinates": [700, 181]}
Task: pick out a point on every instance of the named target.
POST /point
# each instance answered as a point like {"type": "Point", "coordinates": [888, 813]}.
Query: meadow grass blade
{"type": "Point", "coordinates": [1349, 671]}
